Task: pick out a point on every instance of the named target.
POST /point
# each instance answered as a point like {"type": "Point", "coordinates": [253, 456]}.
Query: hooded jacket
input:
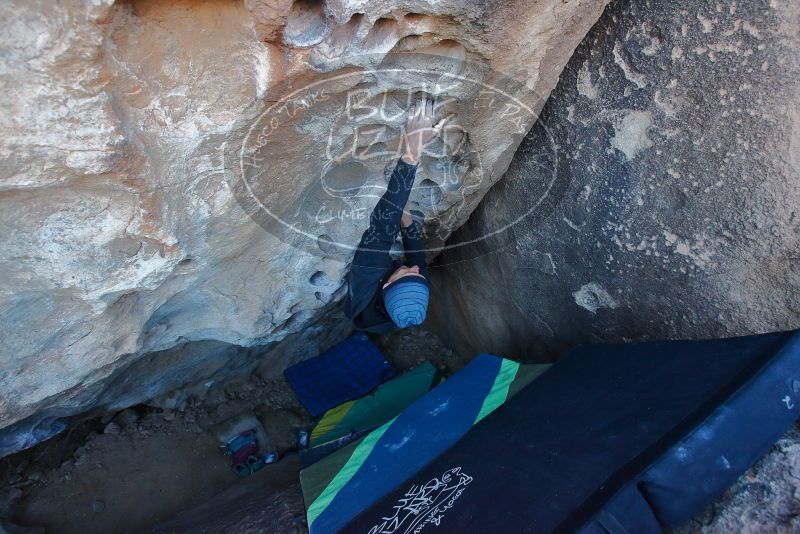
{"type": "Point", "coordinates": [372, 264]}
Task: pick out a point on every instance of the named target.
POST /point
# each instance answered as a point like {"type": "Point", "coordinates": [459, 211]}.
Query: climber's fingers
{"type": "Point", "coordinates": [420, 116]}
{"type": "Point", "coordinates": [443, 122]}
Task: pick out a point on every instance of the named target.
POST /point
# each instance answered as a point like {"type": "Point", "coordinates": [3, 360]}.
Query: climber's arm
{"type": "Point", "coordinates": [373, 250]}
{"type": "Point", "coordinates": [372, 261]}
{"type": "Point", "coordinates": [414, 245]}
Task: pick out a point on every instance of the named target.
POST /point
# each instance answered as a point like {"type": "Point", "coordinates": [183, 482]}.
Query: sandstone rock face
{"type": "Point", "coordinates": [657, 197]}
{"type": "Point", "coordinates": [163, 200]}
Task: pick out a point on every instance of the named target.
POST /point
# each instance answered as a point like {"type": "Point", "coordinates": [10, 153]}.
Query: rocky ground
{"type": "Point", "coordinates": [130, 471]}
{"type": "Point", "coordinates": [138, 469]}
{"type": "Point", "coordinates": [142, 469]}
{"type": "Point", "coordinates": [412, 346]}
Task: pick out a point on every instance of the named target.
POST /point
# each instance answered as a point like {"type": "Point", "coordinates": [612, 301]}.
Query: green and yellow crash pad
{"type": "Point", "coordinates": [371, 411]}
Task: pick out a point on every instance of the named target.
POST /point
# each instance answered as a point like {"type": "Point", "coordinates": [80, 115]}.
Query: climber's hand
{"type": "Point", "coordinates": [419, 130]}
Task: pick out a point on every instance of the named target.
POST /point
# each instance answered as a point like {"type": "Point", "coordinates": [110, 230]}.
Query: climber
{"type": "Point", "coordinates": [383, 294]}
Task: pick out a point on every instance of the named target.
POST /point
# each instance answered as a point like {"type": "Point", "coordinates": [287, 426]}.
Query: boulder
{"type": "Point", "coordinates": [657, 196]}
{"type": "Point", "coordinates": [184, 181]}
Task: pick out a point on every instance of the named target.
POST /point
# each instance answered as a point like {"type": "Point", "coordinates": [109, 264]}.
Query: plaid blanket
{"type": "Point", "coordinates": [344, 372]}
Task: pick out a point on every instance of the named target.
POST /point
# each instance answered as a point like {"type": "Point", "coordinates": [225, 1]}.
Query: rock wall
{"type": "Point", "coordinates": [656, 198]}
{"type": "Point", "coordinates": [180, 190]}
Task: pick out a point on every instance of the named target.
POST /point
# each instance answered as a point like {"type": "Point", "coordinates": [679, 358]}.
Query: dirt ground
{"type": "Point", "coordinates": [131, 471]}
{"type": "Point", "coordinates": [268, 501]}
{"type": "Point", "coordinates": [157, 470]}
{"type": "Point", "coordinates": [412, 346]}
{"type": "Point", "coordinates": [144, 466]}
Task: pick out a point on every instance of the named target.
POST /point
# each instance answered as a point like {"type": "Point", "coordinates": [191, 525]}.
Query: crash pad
{"type": "Point", "coordinates": [346, 371]}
